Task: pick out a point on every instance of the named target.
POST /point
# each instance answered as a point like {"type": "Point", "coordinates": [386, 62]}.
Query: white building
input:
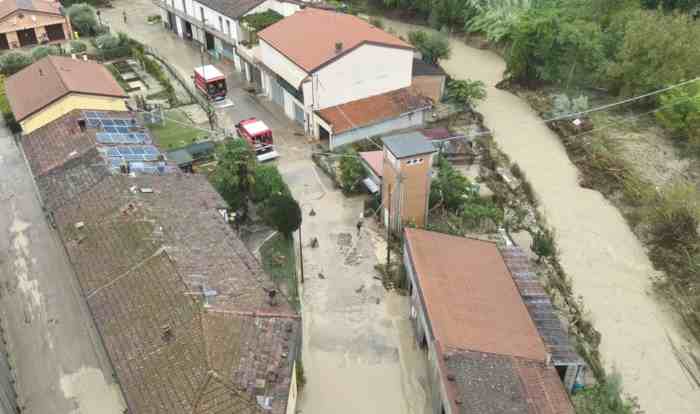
{"type": "Point", "coordinates": [338, 76]}
{"type": "Point", "coordinates": [216, 23]}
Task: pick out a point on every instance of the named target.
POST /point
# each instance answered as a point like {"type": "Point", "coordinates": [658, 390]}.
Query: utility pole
{"type": "Point", "coordinates": [388, 230]}
{"type": "Point", "coordinates": [301, 253]}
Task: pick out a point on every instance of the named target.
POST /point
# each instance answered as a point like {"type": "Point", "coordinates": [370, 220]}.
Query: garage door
{"type": "Point", "coordinates": [55, 32]}
{"type": "Point", "coordinates": [298, 114]}
{"type": "Point", "coordinates": [276, 93]}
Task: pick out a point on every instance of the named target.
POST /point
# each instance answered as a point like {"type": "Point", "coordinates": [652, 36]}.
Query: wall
{"type": "Point", "coordinates": [292, 400]}
{"type": "Point", "coordinates": [281, 65]}
{"type": "Point", "coordinates": [283, 8]}
{"type": "Point", "coordinates": [431, 86]}
{"type": "Point", "coordinates": [69, 103]}
{"type": "Point", "coordinates": [366, 71]}
{"type": "Point", "coordinates": [13, 23]}
{"type": "Point", "coordinates": [415, 119]}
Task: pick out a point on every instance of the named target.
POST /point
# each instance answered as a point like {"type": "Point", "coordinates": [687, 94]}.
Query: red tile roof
{"type": "Point", "coordinates": [375, 109]}
{"type": "Point", "coordinates": [470, 297]}
{"type": "Point", "coordinates": [42, 83]}
{"type": "Point", "coordinates": [308, 38]}
{"type": "Point", "coordinates": [374, 159]}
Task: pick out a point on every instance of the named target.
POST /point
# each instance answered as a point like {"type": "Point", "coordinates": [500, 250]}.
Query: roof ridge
{"type": "Point", "coordinates": [51, 60]}
{"type": "Point", "coordinates": [453, 348]}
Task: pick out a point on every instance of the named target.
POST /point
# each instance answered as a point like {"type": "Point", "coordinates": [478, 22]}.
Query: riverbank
{"type": "Point", "coordinates": [608, 266]}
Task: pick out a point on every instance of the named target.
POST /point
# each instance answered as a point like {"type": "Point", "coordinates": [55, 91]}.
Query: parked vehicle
{"type": "Point", "coordinates": [210, 82]}
{"type": "Point", "coordinates": [259, 137]}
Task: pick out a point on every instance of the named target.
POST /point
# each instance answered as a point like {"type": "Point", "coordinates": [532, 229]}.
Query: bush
{"type": "Point", "coordinates": [466, 92]}
{"type": "Point", "coordinates": [563, 106]}
{"type": "Point", "coordinates": [674, 216]}
{"type": "Point", "coordinates": [351, 171]}
{"type": "Point", "coordinates": [282, 213]}
{"type": "Point", "coordinates": [83, 19]}
{"type": "Point", "coordinates": [234, 172]}
{"type": "Point", "coordinates": [267, 182]}
{"type": "Point", "coordinates": [13, 62]}
{"type": "Point", "coordinates": [376, 22]}
{"type": "Point", "coordinates": [41, 52]}
{"type": "Point", "coordinates": [76, 46]}
{"type": "Point", "coordinates": [450, 189]}
{"type": "Point", "coordinates": [6, 111]}
{"type": "Point", "coordinates": [680, 110]}
{"type": "Point", "coordinates": [543, 244]}
{"type": "Point", "coordinates": [603, 398]}
{"type": "Point", "coordinates": [476, 212]}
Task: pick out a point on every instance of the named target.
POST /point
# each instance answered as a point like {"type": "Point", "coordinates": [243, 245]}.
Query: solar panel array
{"type": "Point", "coordinates": [129, 138]}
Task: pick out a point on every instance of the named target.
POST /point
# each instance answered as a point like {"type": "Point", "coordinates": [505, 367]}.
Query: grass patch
{"type": "Point", "coordinates": [279, 261]}
{"type": "Point", "coordinates": [174, 132]}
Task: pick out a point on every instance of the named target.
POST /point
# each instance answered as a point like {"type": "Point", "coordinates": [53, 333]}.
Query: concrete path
{"type": "Point", "coordinates": [359, 352]}
{"type": "Point", "coordinates": [606, 262]}
{"type": "Point", "coordinates": [59, 360]}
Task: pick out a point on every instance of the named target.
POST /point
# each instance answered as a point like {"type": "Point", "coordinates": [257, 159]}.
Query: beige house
{"type": "Point", "coordinates": [406, 179]}
{"type": "Point", "coordinates": [32, 22]}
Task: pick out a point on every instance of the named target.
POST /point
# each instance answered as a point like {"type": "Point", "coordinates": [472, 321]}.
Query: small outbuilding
{"type": "Point", "coordinates": [32, 22]}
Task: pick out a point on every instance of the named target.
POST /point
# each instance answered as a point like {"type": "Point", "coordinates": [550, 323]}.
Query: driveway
{"type": "Point", "coordinates": [58, 358]}
{"type": "Point", "coordinates": [359, 353]}
{"type": "Point", "coordinates": [607, 264]}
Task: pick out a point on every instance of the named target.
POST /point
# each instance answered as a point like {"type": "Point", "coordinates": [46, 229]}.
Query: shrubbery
{"type": "Point", "coordinates": [267, 182]}
{"type": "Point", "coordinates": [13, 62]}
{"type": "Point", "coordinates": [351, 171]}
{"type": "Point", "coordinates": [76, 46]}
{"type": "Point", "coordinates": [433, 46]}
{"type": "Point", "coordinates": [84, 19]}
{"type": "Point", "coordinates": [41, 52]}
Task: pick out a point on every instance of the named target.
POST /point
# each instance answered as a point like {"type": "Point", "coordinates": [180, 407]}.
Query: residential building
{"type": "Point", "coordinates": [429, 79]}
{"type": "Point", "coordinates": [31, 22]}
{"type": "Point", "coordinates": [216, 25]}
{"type": "Point", "coordinates": [484, 350]}
{"type": "Point", "coordinates": [338, 76]}
{"type": "Point", "coordinates": [407, 161]}
{"type": "Point", "coordinates": [184, 310]}
{"type": "Point", "coordinates": [54, 86]}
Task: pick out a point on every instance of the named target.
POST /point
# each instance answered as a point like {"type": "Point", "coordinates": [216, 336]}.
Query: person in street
{"type": "Point", "coordinates": [359, 226]}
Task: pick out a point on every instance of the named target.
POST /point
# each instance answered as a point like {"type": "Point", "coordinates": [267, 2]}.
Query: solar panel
{"type": "Point", "coordinates": [123, 130]}
{"type": "Point", "coordinates": [107, 122]}
{"type": "Point", "coordinates": [90, 114]}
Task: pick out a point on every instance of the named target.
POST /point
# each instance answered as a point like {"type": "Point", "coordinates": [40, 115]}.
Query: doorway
{"type": "Point", "coordinates": [188, 30]}
{"type": "Point", "coordinates": [55, 32]}
{"type": "Point", "coordinates": [26, 37]}
{"type": "Point", "coordinates": [171, 22]}
{"type": "Point", "coordinates": [323, 133]}
{"type": "Point", "coordinates": [3, 41]}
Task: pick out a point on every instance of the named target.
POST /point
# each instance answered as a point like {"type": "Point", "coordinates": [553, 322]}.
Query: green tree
{"type": "Point", "coordinates": [543, 245]}
{"type": "Point", "coordinates": [13, 62]}
{"type": "Point", "coordinates": [433, 46]}
{"type": "Point", "coordinates": [552, 46]}
{"type": "Point", "coordinates": [669, 5]}
{"type": "Point", "coordinates": [680, 110]}
{"type": "Point", "coordinates": [466, 92]}
{"type": "Point", "coordinates": [283, 213]}
{"type": "Point", "coordinates": [76, 46]}
{"type": "Point", "coordinates": [658, 50]}
{"type": "Point", "coordinates": [233, 176]}
{"type": "Point", "coordinates": [450, 188]}
{"type": "Point", "coordinates": [83, 19]}
{"type": "Point", "coordinates": [351, 171]}
{"type": "Point", "coordinates": [267, 182]}
{"type": "Point", "coordinates": [603, 398]}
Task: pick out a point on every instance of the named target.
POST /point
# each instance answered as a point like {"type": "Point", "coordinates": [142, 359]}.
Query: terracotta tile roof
{"type": "Point", "coordinates": [372, 110]}
{"type": "Point", "coordinates": [181, 304]}
{"type": "Point", "coordinates": [495, 384]}
{"type": "Point", "coordinates": [470, 297]}
{"type": "Point", "coordinates": [41, 83]}
{"type": "Point", "coordinates": [374, 160]}
{"type": "Point", "coordinates": [308, 38]}
{"type": "Point", "coordinates": [45, 6]}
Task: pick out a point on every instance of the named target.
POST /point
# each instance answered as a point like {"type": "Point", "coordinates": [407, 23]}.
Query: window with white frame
{"type": "Point", "coordinates": [414, 161]}
{"type": "Point", "coordinates": [221, 24]}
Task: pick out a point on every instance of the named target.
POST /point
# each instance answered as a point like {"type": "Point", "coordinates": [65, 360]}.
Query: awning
{"type": "Point", "coordinates": [371, 186]}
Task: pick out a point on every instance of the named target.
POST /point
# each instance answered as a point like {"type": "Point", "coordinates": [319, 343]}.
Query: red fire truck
{"type": "Point", "coordinates": [211, 82]}
{"type": "Point", "coordinates": [259, 137]}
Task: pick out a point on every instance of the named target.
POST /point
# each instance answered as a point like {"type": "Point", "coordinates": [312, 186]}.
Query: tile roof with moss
{"type": "Point", "coordinates": [181, 305]}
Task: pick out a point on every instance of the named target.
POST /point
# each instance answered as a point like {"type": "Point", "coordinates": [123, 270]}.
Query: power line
{"type": "Point", "coordinates": [614, 104]}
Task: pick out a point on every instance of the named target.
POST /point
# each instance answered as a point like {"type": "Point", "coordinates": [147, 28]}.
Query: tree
{"type": "Point", "coordinates": [76, 46]}
{"type": "Point", "coordinates": [669, 5]}
{"type": "Point", "coordinates": [680, 110]}
{"type": "Point", "coordinates": [233, 176]}
{"type": "Point", "coordinates": [283, 213]}
{"type": "Point", "coordinates": [13, 62]}
{"type": "Point", "coordinates": [451, 189]}
{"type": "Point", "coordinates": [433, 46]}
{"type": "Point", "coordinates": [83, 19]}
{"type": "Point", "coordinates": [267, 182]}
{"type": "Point", "coordinates": [658, 50]}
{"type": "Point", "coordinates": [543, 245]}
{"type": "Point", "coordinates": [466, 92]}
{"type": "Point", "coordinates": [351, 171]}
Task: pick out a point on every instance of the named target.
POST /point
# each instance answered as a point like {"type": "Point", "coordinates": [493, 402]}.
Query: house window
{"type": "Point", "coordinates": [201, 13]}
{"type": "Point", "coordinates": [184, 7]}
{"type": "Point", "coordinates": [415, 161]}
{"type": "Point", "coordinates": [221, 24]}
{"type": "Point", "coordinates": [228, 27]}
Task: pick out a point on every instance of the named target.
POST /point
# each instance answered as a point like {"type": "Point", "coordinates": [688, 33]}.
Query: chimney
{"type": "Point", "coordinates": [338, 47]}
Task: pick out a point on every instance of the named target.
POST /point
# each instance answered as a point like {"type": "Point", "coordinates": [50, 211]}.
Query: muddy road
{"type": "Point", "coordinates": [606, 262]}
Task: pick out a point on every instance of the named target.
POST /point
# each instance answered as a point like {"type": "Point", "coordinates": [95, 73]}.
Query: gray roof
{"type": "Point", "coordinates": [180, 156]}
{"type": "Point", "coordinates": [422, 68]}
{"type": "Point", "coordinates": [408, 144]}
{"type": "Point", "coordinates": [232, 8]}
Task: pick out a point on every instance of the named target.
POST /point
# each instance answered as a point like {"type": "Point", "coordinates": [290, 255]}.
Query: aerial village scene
{"type": "Point", "coordinates": [350, 207]}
